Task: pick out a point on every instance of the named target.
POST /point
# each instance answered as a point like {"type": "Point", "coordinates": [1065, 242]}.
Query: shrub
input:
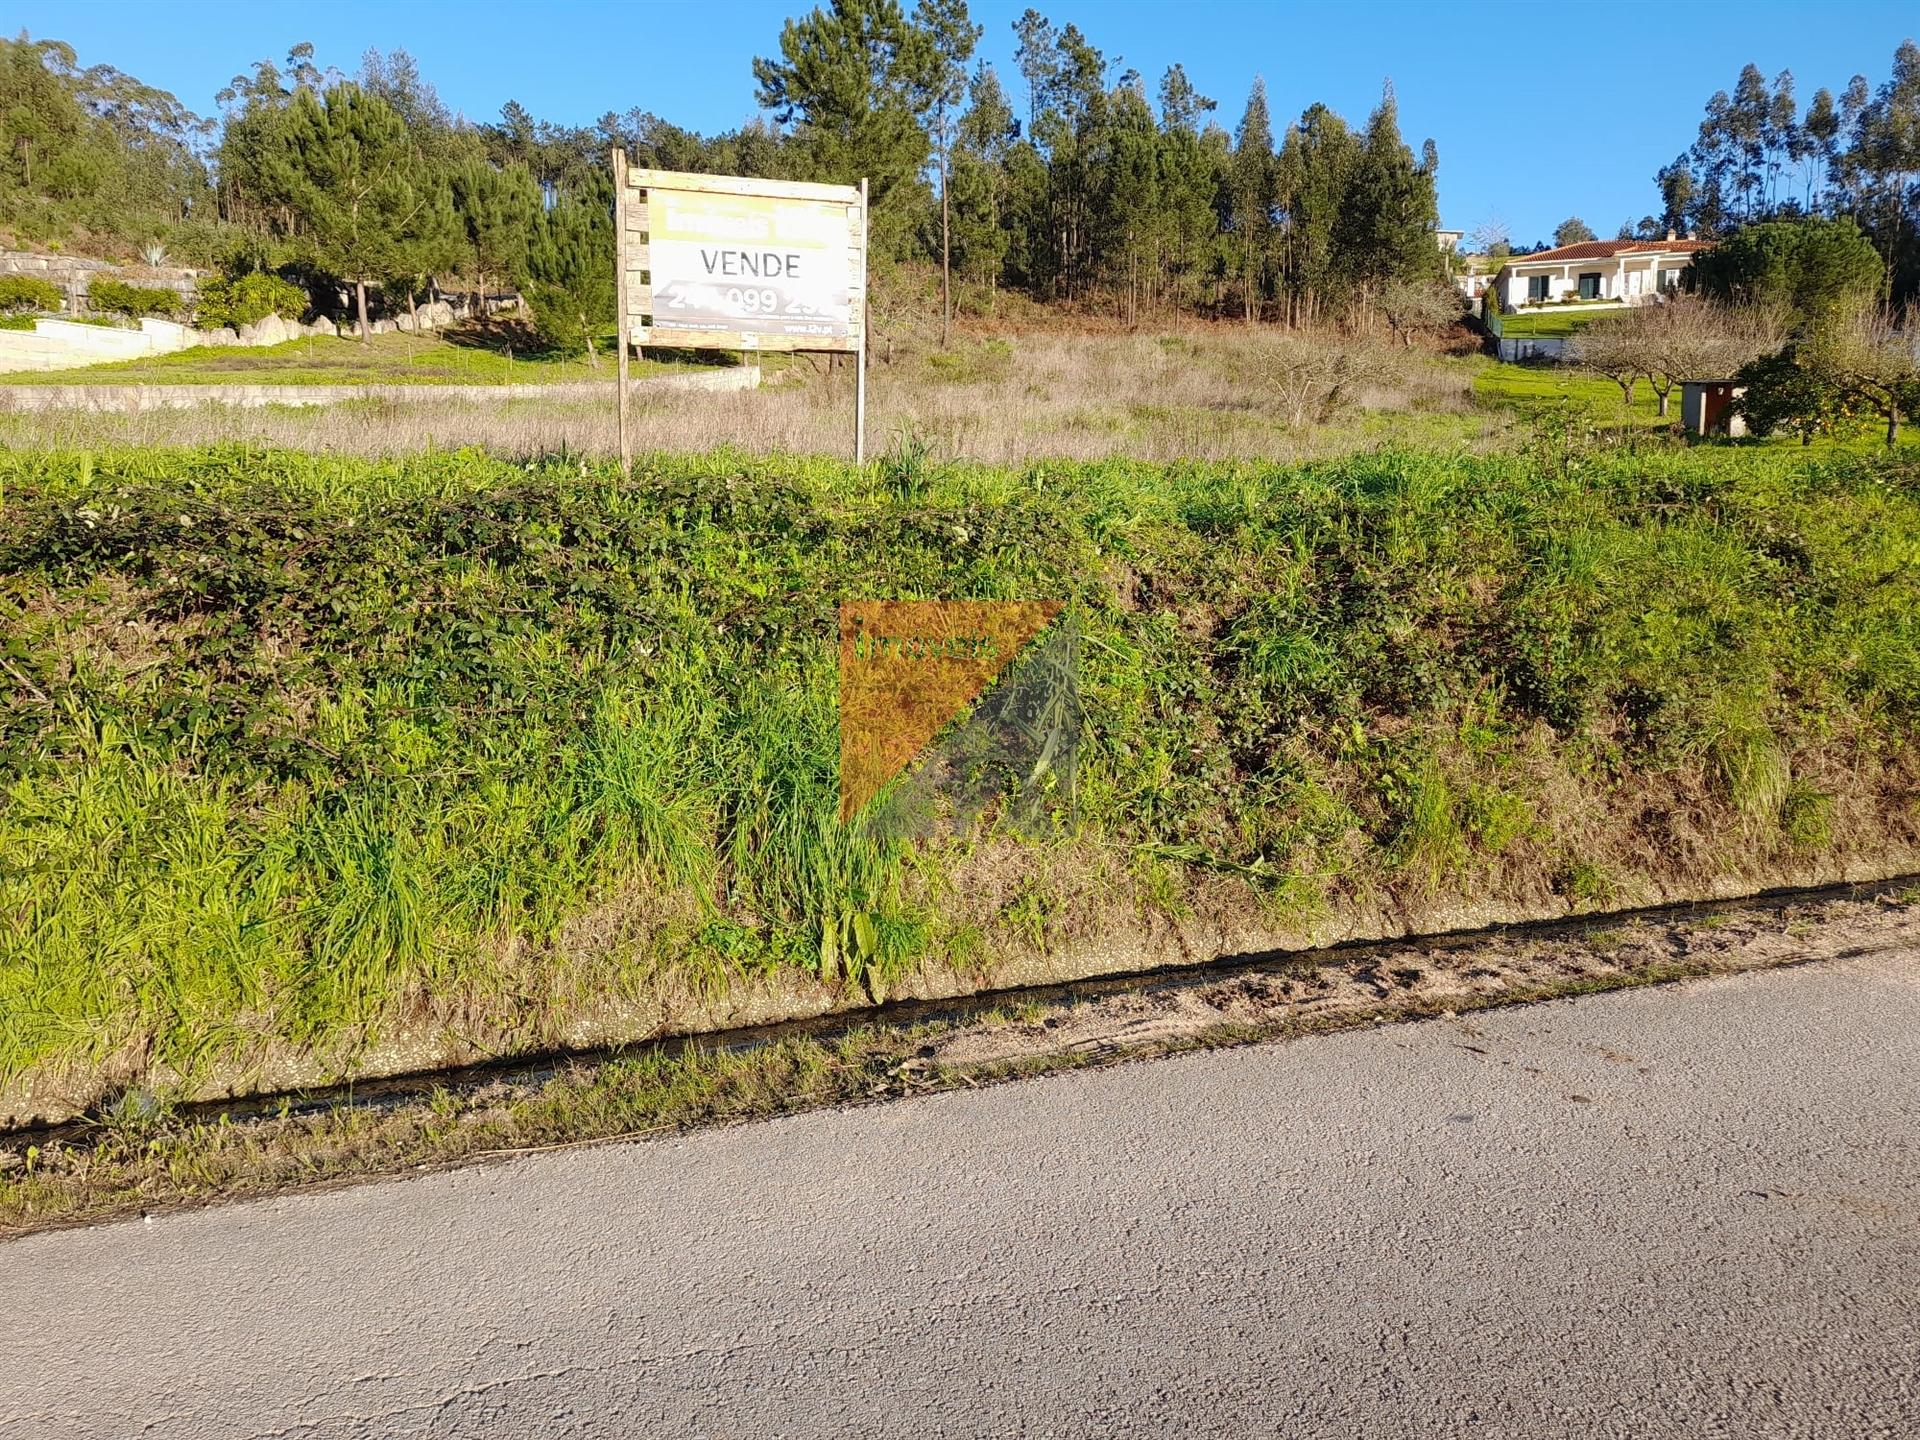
{"type": "Point", "coordinates": [249, 299]}
{"type": "Point", "coordinates": [23, 292]}
{"type": "Point", "coordinates": [116, 297]}
{"type": "Point", "coordinates": [1785, 393]}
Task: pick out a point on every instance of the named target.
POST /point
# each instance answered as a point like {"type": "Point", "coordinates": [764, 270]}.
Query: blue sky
{"type": "Point", "coordinates": [1540, 110]}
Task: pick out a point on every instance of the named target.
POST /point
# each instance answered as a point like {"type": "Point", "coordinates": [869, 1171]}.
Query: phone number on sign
{"type": "Point", "coordinates": [743, 300]}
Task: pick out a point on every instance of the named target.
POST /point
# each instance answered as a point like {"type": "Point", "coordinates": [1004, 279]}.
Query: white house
{"type": "Point", "coordinates": [1627, 272]}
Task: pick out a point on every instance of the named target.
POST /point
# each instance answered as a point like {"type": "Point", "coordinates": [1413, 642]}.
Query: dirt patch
{"type": "Point", "coordinates": [1307, 993]}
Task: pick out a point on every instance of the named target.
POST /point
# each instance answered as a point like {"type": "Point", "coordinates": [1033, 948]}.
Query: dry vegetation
{"type": "Point", "coordinates": [1212, 393]}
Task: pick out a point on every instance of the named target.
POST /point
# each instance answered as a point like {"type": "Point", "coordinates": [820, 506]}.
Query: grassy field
{"type": "Point", "coordinates": [1214, 393]}
{"type": "Point", "coordinates": [393, 359]}
{"type": "Point", "coordinates": [1542, 390]}
{"type": "Point", "coordinates": [306, 756]}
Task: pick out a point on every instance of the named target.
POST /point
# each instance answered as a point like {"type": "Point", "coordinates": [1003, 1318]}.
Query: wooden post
{"type": "Point", "coordinates": [860, 363]}
{"type": "Point", "coordinates": [620, 277]}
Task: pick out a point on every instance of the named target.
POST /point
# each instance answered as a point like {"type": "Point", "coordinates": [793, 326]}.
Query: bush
{"type": "Point", "coordinates": [115, 297]}
{"type": "Point", "coordinates": [1813, 267]}
{"type": "Point", "coordinates": [23, 292]}
{"type": "Point", "coordinates": [248, 300]}
{"type": "Point", "coordinates": [1787, 394]}
{"type": "Point", "coordinates": [15, 322]}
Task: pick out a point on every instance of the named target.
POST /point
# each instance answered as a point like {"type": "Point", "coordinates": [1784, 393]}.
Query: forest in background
{"type": "Point", "coordinates": [1066, 182]}
{"type": "Point", "coordinates": [1086, 186]}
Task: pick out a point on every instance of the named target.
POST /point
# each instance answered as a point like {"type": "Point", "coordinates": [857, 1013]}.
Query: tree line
{"type": "Point", "coordinates": [1083, 186]}
{"type": "Point", "coordinates": [1759, 156]}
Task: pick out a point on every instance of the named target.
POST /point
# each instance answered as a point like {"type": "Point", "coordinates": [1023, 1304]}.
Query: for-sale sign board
{"type": "Point", "coordinates": [730, 262]}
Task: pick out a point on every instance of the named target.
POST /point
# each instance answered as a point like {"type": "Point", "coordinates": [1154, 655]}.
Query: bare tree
{"type": "Point", "coordinates": [1311, 382]}
{"type": "Point", "coordinates": [1491, 236]}
{"type": "Point", "coordinates": [1871, 354]}
{"type": "Point", "coordinates": [1420, 307]}
{"type": "Point", "coordinates": [1610, 347]}
{"type": "Point", "coordinates": [1687, 338]}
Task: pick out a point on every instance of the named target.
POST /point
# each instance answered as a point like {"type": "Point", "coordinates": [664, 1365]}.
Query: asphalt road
{"type": "Point", "coordinates": [1692, 1211]}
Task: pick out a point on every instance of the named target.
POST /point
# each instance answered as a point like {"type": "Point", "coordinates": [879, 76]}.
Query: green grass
{"type": "Point", "coordinates": [305, 754]}
{"type": "Point", "coordinates": [393, 359]}
{"type": "Point", "coordinates": [1540, 390]}
{"type": "Point", "coordinates": [1553, 323]}
{"type": "Point", "coordinates": [1560, 394]}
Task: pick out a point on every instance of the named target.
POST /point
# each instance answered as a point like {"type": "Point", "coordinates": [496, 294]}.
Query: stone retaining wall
{"type": "Point", "coordinates": [75, 273]}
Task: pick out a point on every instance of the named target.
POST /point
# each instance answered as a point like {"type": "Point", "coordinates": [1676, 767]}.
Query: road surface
{"type": "Point", "coordinates": [1692, 1211]}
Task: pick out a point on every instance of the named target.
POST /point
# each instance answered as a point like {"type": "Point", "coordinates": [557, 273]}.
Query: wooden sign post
{"type": "Point", "coordinates": [725, 262]}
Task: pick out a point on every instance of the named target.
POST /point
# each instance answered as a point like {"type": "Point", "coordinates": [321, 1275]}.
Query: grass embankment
{"type": "Point", "coordinates": [393, 359]}
{"type": "Point", "coordinates": [1553, 324]}
{"type": "Point", "coordinates": [142, 1154]}
{"type": "Point", "coordinates": [306, 756]}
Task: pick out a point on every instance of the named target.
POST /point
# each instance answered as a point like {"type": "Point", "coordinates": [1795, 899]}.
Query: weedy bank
{"type": "Point", "coordinates": [317, 766]}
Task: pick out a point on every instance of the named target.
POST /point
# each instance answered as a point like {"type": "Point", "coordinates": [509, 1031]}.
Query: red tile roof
{"type": "Point", "coordinates": [1607, 249]}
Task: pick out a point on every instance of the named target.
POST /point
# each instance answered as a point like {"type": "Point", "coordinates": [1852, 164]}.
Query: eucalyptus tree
{"type": "Point", "coordinates": [952, 35]}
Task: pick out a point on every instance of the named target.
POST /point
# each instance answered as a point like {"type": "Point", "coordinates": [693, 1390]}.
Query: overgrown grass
{"type": "Point", "coordinates": [1218, 393]}
{"type": "Point", "coordinates": [394, 359]}
{"type": "Point", "coordinates": [304, 754]}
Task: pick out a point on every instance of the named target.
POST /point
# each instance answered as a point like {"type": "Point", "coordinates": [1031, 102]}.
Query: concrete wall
{"type": "Point", "coordinates": [1530, 348]}
{"type": "Point", "coordinates": [131, 399]}
{"type": "Point", "coordinates": [70, 345]}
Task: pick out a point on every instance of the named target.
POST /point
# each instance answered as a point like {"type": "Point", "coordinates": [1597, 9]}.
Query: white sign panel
{"type": "Point", "coordinates": [728, 262]}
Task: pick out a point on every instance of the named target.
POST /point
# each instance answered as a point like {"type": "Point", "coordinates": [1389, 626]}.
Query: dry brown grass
{"type": "Point", "coordinates": [1214, 393]}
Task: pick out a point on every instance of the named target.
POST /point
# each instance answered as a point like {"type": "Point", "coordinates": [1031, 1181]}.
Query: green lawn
{"type": "Point", "coordinates": [322, 360]}
{"type": "Point", "coordinates": [1538, 388]}
{"type": "Point", "coordinates": [1556, 323]}
{"type": "Point", "coordinates": [1546, 389]}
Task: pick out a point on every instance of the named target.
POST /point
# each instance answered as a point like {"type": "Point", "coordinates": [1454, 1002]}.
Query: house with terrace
{"type": "Point", "coordinates": [1603, 272]}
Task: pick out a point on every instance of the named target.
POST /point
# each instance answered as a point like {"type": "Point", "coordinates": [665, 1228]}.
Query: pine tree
{"type": "Point", "coordinates": [1189, 169]}
{"type": "Point", "coordinates": [499, 210]}
{"type": "Point", "coordinates": [856, 81]}
{"type": "Point", "coordinates": [952, 35]}
{"type": "Point", "coordinates": [1251, 181]}
{"type": "Point", "coordinates": [1572, 231]}
{"type": "Point", "coordinates": [1391, 211]}
{"type": "Point", "coordinates": [1318, 163]}
{"type": "Point", "coordinates": [352, 175]}
{"type": "Point", "coordinates": [983, 144]}
{"type": "Point", "coordinates": [570, 267]}
{"type": "Point", "coordinates": [1131, 188]}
